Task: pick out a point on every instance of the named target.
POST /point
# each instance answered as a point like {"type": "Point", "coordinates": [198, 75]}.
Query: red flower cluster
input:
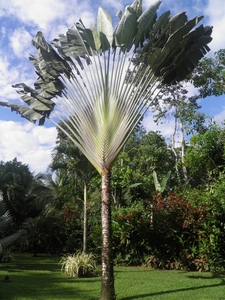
{"type": "Point", "coordinates": [69, 214]}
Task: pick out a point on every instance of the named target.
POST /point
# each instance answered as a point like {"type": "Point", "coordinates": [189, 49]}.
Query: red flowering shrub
{"type": "Point", "coordinates": [171, 232]}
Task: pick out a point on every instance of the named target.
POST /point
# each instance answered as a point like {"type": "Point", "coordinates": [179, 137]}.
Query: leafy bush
{"type": "Point", "coordinates": [130, 232]}
{"type": "Point", "coordinates": [78, 264]}
{"type": "Point", "coordinates": [209, 241]}
{"type": "Point", "coordinates": [171, 233]}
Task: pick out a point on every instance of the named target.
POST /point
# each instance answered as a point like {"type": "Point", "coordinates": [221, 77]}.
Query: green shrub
{"type": "Point", "coordinates": [78, 264]}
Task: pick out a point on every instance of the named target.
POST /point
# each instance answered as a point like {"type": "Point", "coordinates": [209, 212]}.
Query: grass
{"type": "Point", "coordinates": [40, 278]}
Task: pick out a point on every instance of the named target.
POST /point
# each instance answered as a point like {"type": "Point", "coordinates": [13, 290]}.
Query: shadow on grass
{"type": "Point", "coordinates": [213, 276]}
{"type": "Point", "coordinates": [178, 290]}
{"type": "Point", "coordinates": [40, 278]}
{"type": "Point", "coordinates": [29, 263]}
{"type": "Point", "coordinates": [45, 286]}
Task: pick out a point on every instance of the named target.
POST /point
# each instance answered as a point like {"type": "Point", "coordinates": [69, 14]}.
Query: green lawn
{"type": "Point", "coordinates": [39, 278]}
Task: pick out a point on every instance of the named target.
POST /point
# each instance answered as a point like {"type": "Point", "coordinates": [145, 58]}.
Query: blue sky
{"type": "Point", "coordinates": [19, 22]}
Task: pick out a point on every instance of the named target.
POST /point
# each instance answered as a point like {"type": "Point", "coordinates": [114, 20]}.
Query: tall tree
{"type": "Point", "coordinates": [15, 183]}
{"type": "Point", "coordinates": [205, 156]}
{"type": "Point", "coordinates": [101, 81]}
{"type": "Point", "coordinates": [175, 101]}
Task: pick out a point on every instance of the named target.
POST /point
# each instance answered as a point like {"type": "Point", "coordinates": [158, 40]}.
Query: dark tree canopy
{"type": "Point", "coordinates": [15, 182]}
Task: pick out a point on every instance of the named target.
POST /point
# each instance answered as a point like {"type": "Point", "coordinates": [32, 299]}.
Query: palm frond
{"type": "Point", "coordinates": [3, 207]}
{"type": "Point", "coordinates": [5, 220]}
{"type": "Point", "coordinates": [7, 241]}
{"type": "Point", "coordinates": [5, 217]}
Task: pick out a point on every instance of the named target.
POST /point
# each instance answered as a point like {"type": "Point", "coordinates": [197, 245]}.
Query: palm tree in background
{"type": "Point", "coordinates": [5, 221]}
{"type": "Point", "coordinates": [98, 81]}
{"type": "Point", "coordinates": [68, 158]}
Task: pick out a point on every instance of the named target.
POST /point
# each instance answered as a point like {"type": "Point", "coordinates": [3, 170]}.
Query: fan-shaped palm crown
{"type": "Point", "coordinates": [98, 81]}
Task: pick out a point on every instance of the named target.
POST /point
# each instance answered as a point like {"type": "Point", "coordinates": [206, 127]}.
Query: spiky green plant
{"type": "Point", "coordinates": [79, 264]}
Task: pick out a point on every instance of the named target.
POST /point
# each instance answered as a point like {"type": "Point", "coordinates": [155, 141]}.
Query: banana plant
{"type": "Point", "coordinates": [159, 186]}
{"type": "Point", "coordinates": [99, 82]}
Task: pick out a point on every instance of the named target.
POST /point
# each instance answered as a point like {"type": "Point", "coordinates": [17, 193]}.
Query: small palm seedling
{"type": "Point", "coordinates": [78, 264]}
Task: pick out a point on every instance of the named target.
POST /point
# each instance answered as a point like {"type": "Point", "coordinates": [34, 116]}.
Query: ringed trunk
{"type": "Point", "coordinates": [107, 286]}
{"type": "Point", "coordinates": [85, 220]}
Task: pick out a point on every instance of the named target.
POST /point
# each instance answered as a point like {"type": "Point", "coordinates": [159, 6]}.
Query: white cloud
{"type": "Point", "coordinates": [215, 11]}
{"type": "Point", "coordinates": [3, 31]}
{"type": "Point", "coordinates": [192, 9]}
{"type": "Point", "coordinates": [220, 117]}
{"type": "Point", "coordinates": [88, 17]}
{"type": "Point", "coordinates": [20, 41]}
{"type": "Point", "coordinates": [115, 4]}
{"type": "Point", "coordinates": [8, 76]}
{"type": "Point", "coordinates": [31, 145]}
{"type": "Point", "coordinates": [11, 74]}
{"type": "Point", "coordinates": [48, 16]}
{"type": "Point", "coordinates": [35, 12]}
{"type": "Point", "coordinates": [166, 128]}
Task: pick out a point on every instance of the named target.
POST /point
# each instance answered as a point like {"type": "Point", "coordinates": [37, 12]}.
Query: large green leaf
{"type": "Point", "coordinates": [105, 29]}
{"type": "Point", "coordinates": [50, 62]}
{"type": "Point", "coordinates": [173, 46]}
{"type": "Point", "coordinates": [127, 27]}
{"type": "Point", "coordinates": [146, 22]}
{"type": "Point", "coordinates": [25, 112]}
{"type": "Point", "coordinates": [178, 21]}
{"type": "Point", "coordinates": [167, 54]}
{"type": "Point", "coordinates": [188, 61]}
{"type": "Point", "coordinates": [88, 37]}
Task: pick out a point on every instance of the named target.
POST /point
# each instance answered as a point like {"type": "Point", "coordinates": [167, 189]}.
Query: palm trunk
{"type": "Point", "coordinates": [85, 220]}
{"type": "Point", "coordinates": [174, 150]}
{"type": "Point", "coordinates": [185, 173]}
{"type": "Point", "coordinates": [107, 288]}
